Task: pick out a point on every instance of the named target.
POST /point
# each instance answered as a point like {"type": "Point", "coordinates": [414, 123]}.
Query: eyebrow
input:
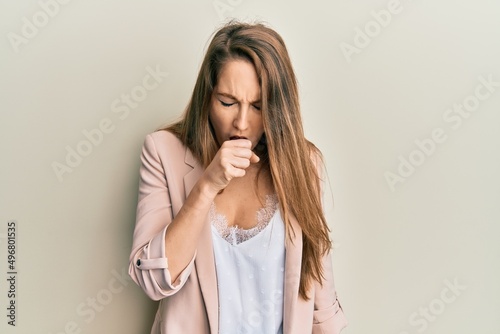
{"type": "Point", "coordinates": [232, 97]}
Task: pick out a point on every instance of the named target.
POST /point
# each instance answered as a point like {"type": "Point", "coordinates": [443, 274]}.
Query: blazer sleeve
{"type": "Point", "coordinates": [148, 265]}
{"type": "Point", "coordinates": [328, 315]}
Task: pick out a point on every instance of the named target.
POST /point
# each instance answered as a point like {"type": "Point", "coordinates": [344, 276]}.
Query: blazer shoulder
{"type": "Point", "coordinates": [165, 143]}
{"type": "Point", "coordinates": [165, 138]}
{"type": "Point", "coordinates": [170, 150]}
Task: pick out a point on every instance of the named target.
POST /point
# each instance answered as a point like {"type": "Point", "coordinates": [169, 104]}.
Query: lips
{"type": "Point", "coordinates": [237, 137]}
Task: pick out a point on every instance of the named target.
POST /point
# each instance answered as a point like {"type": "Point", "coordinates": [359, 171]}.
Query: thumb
{"type": "Point", "coordinates": [254, 158]}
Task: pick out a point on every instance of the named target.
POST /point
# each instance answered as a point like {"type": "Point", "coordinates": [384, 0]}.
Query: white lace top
{"type": "Point", "coordinates": [250, 267]}
{"type": "Point", "coordinates": [236, 235]}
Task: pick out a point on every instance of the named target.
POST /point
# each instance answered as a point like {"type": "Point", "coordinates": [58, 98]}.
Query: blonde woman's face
{"type": "Point", "coordinates": [235, 106]}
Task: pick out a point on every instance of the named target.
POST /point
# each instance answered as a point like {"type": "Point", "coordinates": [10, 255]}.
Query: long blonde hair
{"type": "Point", "coordinates": [289, 155]}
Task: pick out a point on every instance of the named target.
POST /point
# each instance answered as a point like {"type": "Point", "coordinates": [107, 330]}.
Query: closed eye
{"type": "Point", "coordinates": [225, 104]}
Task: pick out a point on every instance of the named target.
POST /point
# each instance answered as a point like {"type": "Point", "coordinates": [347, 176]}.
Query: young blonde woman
{"type": "Point", "coordinates": [230, 233]}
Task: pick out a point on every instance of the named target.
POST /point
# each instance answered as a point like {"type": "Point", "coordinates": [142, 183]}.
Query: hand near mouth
{"type": "Point", "coordinates": [233, 158]}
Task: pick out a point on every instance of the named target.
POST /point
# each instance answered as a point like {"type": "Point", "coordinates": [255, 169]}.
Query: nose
{"type": "Point", "coordinates": [241, 120]}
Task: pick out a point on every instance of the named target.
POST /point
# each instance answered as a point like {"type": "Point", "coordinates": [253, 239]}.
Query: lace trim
{"type": "Point", "coordinates": [235, 234]}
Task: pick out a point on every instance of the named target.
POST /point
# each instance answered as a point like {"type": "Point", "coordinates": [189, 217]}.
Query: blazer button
{"type": "Point", "coordinates": [139, 262]}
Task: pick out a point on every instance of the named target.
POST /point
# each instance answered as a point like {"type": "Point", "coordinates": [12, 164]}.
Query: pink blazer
{"type": "Point", "coordinates": [190, 305]}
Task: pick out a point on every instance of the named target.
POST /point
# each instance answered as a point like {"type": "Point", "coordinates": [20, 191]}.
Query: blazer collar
{"type": "Point", "coordinates": [192, 176]}
{"type": "Point", "coordinates": [189, 158]}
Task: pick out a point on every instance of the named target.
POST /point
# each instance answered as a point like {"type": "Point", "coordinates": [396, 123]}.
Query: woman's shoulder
{"type": "Point", "coordinates": [163, 140]}
{"type": "Point", "coordinates": [164, 137]}
{"type": "Point", "coordinates": [164, 143]}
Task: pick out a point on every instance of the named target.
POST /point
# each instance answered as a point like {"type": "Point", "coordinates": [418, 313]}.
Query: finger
{"type": "Point", "coordinates": [232, 172]}
{"type": "Point", "coordinates": [238, 143]}
{"type": "Point", "coordinates": [254, 158]}
{"type": "Point", "coordinates": [237, 162]}
{"type": "Point", "coordinates": [238, 152]}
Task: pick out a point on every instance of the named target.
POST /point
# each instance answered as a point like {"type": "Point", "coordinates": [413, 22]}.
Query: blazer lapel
{"type": "Point", "coordinates": [191, 177]}
{"type": "Point", "coordinates": [293, 263]}
{"type": "Point", "coordinates": [204, 261]}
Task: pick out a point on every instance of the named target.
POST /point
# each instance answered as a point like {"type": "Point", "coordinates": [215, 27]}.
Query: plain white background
{"type": "Point", "coordinates": [372, 84]}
